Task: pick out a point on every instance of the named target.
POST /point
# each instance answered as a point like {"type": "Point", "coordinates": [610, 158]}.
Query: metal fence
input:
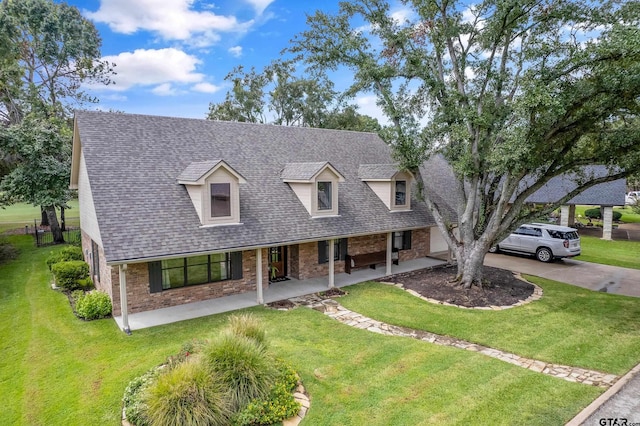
{"type": "Point", "coordinates": [45, 237]}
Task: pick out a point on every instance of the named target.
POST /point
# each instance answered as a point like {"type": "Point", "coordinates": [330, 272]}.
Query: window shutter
{"type": "Point", "coordinates": [155, 277]}
{"type": "Point", "coordinates": [343, 248]}
{"type": "Point", "coordinates": [236, 265]}
{"type": "Point", "coordinates": [322, 252]}
{"type": "Point", "coordinates": [406, 240]}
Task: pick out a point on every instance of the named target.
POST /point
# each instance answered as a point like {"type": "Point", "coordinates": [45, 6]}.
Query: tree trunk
{"type": "Point", "coordinates": [58, 237]}
{"type": "Point", "coordinates": [470, 265]}
{"type": "Point", "coordinates": [62, 221]}
{"type": "Point", "coordinates": [44, 219]}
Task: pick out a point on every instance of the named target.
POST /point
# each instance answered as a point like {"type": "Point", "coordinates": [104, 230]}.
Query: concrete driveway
{"type": "Point", "coordinates": [610, 279]}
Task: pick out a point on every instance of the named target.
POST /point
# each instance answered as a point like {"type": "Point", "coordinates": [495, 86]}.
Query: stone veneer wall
{"type": "Point", "coordinates": [420, 245]}
{"type": "Point", "coordinates": [140, 299]}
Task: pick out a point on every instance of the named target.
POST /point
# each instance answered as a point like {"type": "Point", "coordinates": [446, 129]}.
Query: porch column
{"type": "Point", "coordinates": [607, 223]}
{"type": "Point", "coordinates": [332, 250]}
{"type": "Point", "coordinates": [259, 275]}
{"type": "Point", "coordinates": [122, 273]}
{"type": "Point", "coordinates": [389, 251]}
{"type": "Point", "coordinates": [564, 215]}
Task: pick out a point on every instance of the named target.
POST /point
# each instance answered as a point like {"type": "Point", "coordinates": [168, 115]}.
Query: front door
{"type": "Point", "coordinates": [277, 263]}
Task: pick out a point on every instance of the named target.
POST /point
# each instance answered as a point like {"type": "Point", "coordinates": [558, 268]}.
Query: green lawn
{"type": "Point", "coordinates": [628, 216]}
{"type": "Point", "coordinates": [56, 369]}
{"type": "Point", "coordinates": [616, 253]}
{"type": "Point", "coordinates": [19, 215]}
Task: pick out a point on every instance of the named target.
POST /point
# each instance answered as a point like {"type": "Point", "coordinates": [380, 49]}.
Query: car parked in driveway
{"type": "Point", "coordinates": [632, 198]}
{"type": "Point", "coordinates": [545, 241]}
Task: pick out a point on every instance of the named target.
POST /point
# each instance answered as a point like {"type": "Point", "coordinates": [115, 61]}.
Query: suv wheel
{"type": "Point", "coordinates": [543, 254]}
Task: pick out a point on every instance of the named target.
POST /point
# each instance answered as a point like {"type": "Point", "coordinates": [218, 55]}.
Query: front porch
{"type": "Point", "coordinates": [277, 291]}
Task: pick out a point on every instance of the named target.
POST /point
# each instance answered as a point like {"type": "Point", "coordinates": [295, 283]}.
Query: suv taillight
{"type": "Point", "coordinates": [565, 243]}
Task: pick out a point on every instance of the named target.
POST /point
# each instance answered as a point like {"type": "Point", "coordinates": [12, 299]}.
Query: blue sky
{"type": "Point", "coordinates": [172, 55]}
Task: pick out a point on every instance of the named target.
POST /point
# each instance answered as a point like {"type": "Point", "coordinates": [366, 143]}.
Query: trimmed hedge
{"type": "Point", "coordinates": [66, 254]}
{"type": "Point", "coordinates": [595, 214]}
{"type": "Point", "coordinates": [70, 275]}
{"type": "Point", "coordinates": [94, 305]}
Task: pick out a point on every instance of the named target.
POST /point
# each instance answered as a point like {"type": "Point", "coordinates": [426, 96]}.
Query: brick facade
{"type": "Point", "coordinates": [302, 262]}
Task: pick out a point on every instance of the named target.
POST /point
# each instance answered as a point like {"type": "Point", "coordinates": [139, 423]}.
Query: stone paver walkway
{"type": "Point", "coordinates": [338, 312]}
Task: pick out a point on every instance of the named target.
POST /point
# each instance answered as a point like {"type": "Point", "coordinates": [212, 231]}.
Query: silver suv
{"type": "Point", "coordinates": [545, 241]}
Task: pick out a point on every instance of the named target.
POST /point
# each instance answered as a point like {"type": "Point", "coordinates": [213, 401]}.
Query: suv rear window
{"type": "Point", "coordinates": [572, 235]}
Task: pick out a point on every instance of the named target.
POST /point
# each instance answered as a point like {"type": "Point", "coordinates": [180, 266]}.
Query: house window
{"type": "Point", "coordinates": [402, 240]}
{"type": "Point", "coordinates": [220, 199]}
{"type": "Point", "coordinates": [324, 196]}
{"type": "Point", "coordinates": [339, 250]}
{"type": "Point", "coordinates": [401, 193]}
{"type": "Point", "coordinates": [187, 271]}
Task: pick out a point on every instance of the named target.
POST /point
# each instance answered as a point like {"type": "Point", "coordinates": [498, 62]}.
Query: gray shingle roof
{"type": "Point", "coordinates": [301, 171]}
{"type": "Point", "coordinates": [377, 171]}
{"type": "Point", "coordinates": [196, 170]}
{"type": "Point", "coordinates": [133, 162]}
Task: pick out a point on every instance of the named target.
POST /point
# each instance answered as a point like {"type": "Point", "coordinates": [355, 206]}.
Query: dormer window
{"type": "Point", "coordinates": [213, 187]}
{"type": "Point", "coordinates": [324, 196]}
{"type": "Point", "coordinates": [392, 186]}
{"type": "Point", "coordinates": [401, 193]}
{"type": "Point", "coordinates": [315, 185]}
{"type": "Point", "coordinates": [220, 200]}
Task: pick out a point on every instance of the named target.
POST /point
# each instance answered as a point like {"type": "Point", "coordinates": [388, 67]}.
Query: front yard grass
{"type": "Point", "coordinates": [609, 252]}
{"type": "Point", "coordinates": [56, 369]}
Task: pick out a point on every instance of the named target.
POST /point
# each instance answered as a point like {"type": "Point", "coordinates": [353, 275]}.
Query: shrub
{"type": "Point", "coordinates": [278, 406]}
{"type": "Point", "coordinates": [186, 395]}
{"type": "Point", "coordinates": [244, 366]}
{"type": "Point", "coordinates": [7, 251]}
{"type": "Point", "coordinates": [595, 214]}
{"type": "Point", "coordinates": [248, 326]}
{"type": "Point", "coordinates": [86, 284]}
{"type": "Point", "coordinates": [66, 254]}
{"type": "Point", "coordinates": [134, 406]}
{"type": "Point", "coordinates": [69, 273]}
{"type": "Point", "coordinates": [94, 305]}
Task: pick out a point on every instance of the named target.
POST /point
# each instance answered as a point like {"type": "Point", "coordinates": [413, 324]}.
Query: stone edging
{"type": "Point", "coordinates": [338, 312]}
{"type": "Point", "coordinates": [536, 295]}
{"type": "Point", "coordinates": [301, 396]}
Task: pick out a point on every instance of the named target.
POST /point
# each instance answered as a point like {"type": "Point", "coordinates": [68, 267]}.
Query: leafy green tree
{"type": "Point", "coordinates": [510, 93]}
{"type": "Point", "coordinates": [41, 176]}
{"type": "Point", "coordinates": [47, 51]}
{"type": "Point", "coordinates": [278, 95]}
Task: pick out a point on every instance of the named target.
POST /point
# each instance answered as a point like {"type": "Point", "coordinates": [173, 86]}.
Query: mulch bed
{"type": "Point", "coordinates": [501, 287]}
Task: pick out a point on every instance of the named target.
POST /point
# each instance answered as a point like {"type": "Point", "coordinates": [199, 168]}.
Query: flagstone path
{"type": "Point", "coordinates": [333, 309]}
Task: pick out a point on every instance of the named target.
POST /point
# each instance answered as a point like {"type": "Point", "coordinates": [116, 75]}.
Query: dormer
{"type": "Point", "coordinates": [315, 185]}
{"type": "Point", "coordinates": [213, 187]}
{"type": "Point", "coordinates": [391, 185]}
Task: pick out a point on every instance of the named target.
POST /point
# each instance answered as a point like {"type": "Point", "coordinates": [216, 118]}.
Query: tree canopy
{"type": "Point", "coordinates": [277, 95]}
{"type": "Point", "coordinates": [510, 93]}
{"type": "Point", "coordinates": [47, 51]}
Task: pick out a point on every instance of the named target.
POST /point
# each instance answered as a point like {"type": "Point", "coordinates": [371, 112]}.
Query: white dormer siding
{"type": "Point", "coordinates": [392, 186]}
{"type": "Point", "coordinates": [213, 187]}
{"type": "Point", "coordinates": [315, 185]}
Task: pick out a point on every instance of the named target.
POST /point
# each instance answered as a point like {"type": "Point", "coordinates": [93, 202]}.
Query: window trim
{"type": "Point", "coordinates": [229, 203]}
{"type": "Point", "coordinates": [329, 196]}
{"type": "Point", "coordinates": [340, 250]}
{"type": "Point", "coordinates": [395, 193]}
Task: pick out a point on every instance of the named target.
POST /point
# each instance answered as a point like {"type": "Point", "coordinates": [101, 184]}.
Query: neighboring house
{"type": "Point", "coordinates": [176, 210]}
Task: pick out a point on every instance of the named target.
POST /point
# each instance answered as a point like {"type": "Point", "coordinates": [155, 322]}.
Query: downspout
{"type": "Point", "coordinates": [332, 253]}
{"type": "Point", "coordinates": [259, 275]}
{"type": "Point", "coordinates": [389, 252]}
{"type": "Point", "coordinates": [122, 272]}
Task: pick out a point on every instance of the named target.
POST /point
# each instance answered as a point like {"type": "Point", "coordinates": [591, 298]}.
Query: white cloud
{"type": "Point", "coordinates": [206, 88]}
{"type": "Point", "coordinates": [165, 89]}
{"type": "Point", "coordinates": [172, 20]}
{"type": "Point", "coordinates": [235, 51]}
{"type": "Point", "coordinates": [367, 105]}
{"type": "Point", "coordinates": [153, 67]}
{"type": "Point", "coordinates": [401, 16]}
{"type": "Point", "coordinates": [259, 5]}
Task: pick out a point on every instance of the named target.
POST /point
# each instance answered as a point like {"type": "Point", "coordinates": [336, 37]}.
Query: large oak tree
{"type": "Point", "coordinates": [510, 93]}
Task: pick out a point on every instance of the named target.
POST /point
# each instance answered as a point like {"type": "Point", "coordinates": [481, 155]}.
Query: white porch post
{"type": "Point", "coordinates": [607, 223]}
{"type": "Point", "coordinates": [389, 251]}
{"type": "Point", "coordinates": [122, 273]}
{"type": "Point", "coordinates": [564, 215]}
{"type": "Point", "coordinates": [259, 275]}
{"type": "Point", "coordinates": [332, 250]}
